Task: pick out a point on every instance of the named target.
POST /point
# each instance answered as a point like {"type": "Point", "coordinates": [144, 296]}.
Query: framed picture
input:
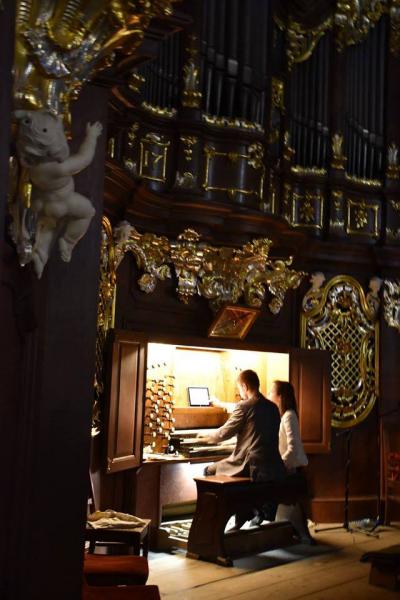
{"type": "Point", "coordinates": [199, 396]}
{"type": "Point", "coordinates": [233, 322]}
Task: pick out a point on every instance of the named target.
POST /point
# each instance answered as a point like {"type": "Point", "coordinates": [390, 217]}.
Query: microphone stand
{"type": "Point", "coordinates": [345, 525]}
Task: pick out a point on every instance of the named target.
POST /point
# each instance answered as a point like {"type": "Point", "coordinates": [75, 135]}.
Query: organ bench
{"type": "Point", "coordinates": [220, 496]}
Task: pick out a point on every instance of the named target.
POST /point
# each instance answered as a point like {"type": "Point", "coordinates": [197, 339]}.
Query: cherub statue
{"type": "Point", "coordinates": [43, 151]}
{"type": "Point", "coordinates": [314, 294]}
{"type": "Point", "coordinates": [372, 297]}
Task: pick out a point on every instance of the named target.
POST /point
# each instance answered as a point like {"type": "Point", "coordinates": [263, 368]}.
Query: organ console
{"type": "Point", "coordinates": [153, 430]}
{"type": "Point", "coordinates": [189, 446]}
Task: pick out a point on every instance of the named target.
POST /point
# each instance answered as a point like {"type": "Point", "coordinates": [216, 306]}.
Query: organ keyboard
{"type": "Point", "coordinates": [186, 442]}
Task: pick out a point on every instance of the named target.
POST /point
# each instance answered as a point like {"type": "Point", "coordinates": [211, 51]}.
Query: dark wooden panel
{"type": "Point", "coordinates": [161, 312]}
{"type": "Point", "coordinates": [148, 492]}
{"type": "Point", "coordinates": [50, 373]}
{"type": "Point", "coordinates": [309, 374]}
{"type": "Point", "coordinates": [125, 420]}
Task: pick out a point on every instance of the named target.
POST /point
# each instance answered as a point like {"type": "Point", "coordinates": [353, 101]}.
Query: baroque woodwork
{"type": "Point", "coordinates": [339, 317]}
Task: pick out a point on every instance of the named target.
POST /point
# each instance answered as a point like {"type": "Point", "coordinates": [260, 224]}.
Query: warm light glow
{"type": "Point", "coordinates": [214, 368]}
{"type": "Point", "coordinates": [277, 368]}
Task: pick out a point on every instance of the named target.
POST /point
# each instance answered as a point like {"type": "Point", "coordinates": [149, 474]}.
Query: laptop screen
{"type": "Point", "coordinates": [199, 396]}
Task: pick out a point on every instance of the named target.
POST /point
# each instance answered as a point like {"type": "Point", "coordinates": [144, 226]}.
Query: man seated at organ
{"type": "Point", "coordinates": [255, 421]}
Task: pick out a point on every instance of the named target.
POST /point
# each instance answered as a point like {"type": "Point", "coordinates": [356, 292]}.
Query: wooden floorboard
{"type": "Point", "coordinates": [329, 571]}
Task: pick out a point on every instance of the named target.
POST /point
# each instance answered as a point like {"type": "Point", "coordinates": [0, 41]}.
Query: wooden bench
{"type": "Point", "coordinates": [219, 497]}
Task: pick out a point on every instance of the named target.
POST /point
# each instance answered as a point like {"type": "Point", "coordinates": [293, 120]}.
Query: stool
{"type": "Point", "coordinates": [137, 537]}
{"type": "Point", "coordinates": [101, 570]}
{"type": "Point", "coordinates": [385, 567]}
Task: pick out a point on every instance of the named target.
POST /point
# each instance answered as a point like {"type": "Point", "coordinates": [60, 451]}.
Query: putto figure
{"type": "Point", "coordinates": [43, 151]}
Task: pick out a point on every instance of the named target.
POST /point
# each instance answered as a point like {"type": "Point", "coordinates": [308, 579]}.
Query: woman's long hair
{"type": "Point", "coordinates": [285, 390]}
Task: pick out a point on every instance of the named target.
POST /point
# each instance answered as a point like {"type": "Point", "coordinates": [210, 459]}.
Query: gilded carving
{"type": "Point", "coordinates": [336, 222]}
{"type": "Point", "coordinates": [279, 280]}
{"type": "Point", "coordinates": [132, 134]}
{"type": "Point", "coordinates": [286, 200]}
{"type": "Point", "coordinates": [393, 167]}
{"type": "Point", "coordinates": [135, 82]}
{"type": "Point", "coordinates": [307, 171]}
{"type": "Point", "coordinates": [225, 122]}
{"type": "Point", "coordinates": [188, 142]}
{"type": "Point", "coordinates": [187, 256]}
{"type": "Point", "coordinates": [191, 77]}
{"type": "Point", "coordinates": [392, 235]}
{"type": "Point", "coordinates": [362, 218]}
{"type": "Point", "coordinates": [60, 45]}
{"type": "Point", "coordinates": [301, 42]}
{"type": "Point", "coordinates": [185, 181]}
{"type": "Point", "coordinates": [391, 303]}
{"type": "Point", "coordinates": [307, 210]}
{"type": "Point", "coordinates": [111, 147]}
{"type": "Point", "coordinates": [130, 165]}
{"type": "Point", "coordinates": [254, 158]}
{"type": "Point", "coordinates": [288, 151]}
{"type": "Point", "coordinates": [338, 160]}
{"type": "Point", "coordinates": [372, 183]}
{"type": "Point", "coordinates": [278, 94]}
{"type": "Point", "coordinates": [153, 157]}
{"type": "Point", "coordinates": [150, 251]}
{"type": "Point", "coordinates": [395, 204]}
{"type": "Point", "coordinates": [158, 111]}
{"type": "Point", "coordinates": [307, 213]}
{"type": "Point", "coordinates": [339, 317]}
{"type": "Point", "coordinates": [354, 19]}
{"type": "Point", "coordinates": [223, 275]}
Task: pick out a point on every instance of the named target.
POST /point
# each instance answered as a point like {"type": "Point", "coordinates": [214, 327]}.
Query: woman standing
{"type": "Point", "coordinates": [292, 453]}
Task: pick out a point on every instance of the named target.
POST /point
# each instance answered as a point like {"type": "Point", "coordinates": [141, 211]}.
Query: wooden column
{"type": "Point", "coordinates": [7, 21]}
{"type": "Point", "coordinates": [50, 376]}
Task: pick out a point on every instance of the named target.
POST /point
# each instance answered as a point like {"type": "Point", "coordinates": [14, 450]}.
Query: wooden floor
{"type": "Point", "coordinates": [329, 571]}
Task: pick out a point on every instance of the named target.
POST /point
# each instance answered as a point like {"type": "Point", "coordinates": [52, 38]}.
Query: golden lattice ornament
{"type": "Point", "coordinates": [340, 318]}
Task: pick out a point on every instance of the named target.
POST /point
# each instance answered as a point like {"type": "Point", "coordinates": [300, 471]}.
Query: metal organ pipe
{"type": "Point", "coordinates": [381, 88]}
{"type": "Point", "coordinates": [314, 109]}
{"type": "Point", "coordinates": [373, 107]}
{"type": "Point", "coordinates": [327, 71]}
{"type": "Point", "coordinates": [366, 107]}
{"type": "Point", "coordinates": [220, 58]}
{"type": "Point", "coordinates": [319, 105]}
{"type": "Point", "coordinates": [231, 59]}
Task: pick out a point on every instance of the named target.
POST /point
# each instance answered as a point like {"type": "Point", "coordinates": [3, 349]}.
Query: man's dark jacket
{"type": "Point", "coordinates": [255, 422]}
